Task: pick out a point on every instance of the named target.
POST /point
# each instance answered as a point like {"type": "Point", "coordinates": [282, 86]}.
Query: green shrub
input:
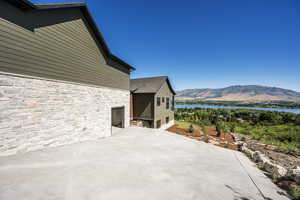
{"type": "Point", "coordinates": [248, 154]}
{"type": "Point", "coordinates": [260, 165]}
{"type": "Point", "coordinates": [191, 129]}
{"type": "Point", "coordinates": [295, 194]}
{"type": "Point", "coordinates": [232, 128]}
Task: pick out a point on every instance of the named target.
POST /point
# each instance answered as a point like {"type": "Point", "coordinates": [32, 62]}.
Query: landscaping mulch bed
{"type": "Point", "coordinates": [225, 140]}
{"type": "Point", "coordinates": [182, 131]}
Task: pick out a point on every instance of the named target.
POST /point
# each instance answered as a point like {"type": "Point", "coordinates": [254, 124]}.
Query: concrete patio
{"type": "Point", "coordinates": [135, 164]}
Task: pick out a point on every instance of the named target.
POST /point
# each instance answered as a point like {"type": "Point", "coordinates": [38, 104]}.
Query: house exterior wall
{"type": "Point", "coordinates": [54, 44]}
{"type": "Point", "coordinates": [36, 114]}
{"type": "Point", "coordinates": [55, 85]}
{"type": "Point", "coordinates": [161, 112]}
{"type": "Point", "coordinates": [143, 106]}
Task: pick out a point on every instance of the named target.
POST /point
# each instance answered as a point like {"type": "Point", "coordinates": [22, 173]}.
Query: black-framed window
{"type": "Point", "coordinates": [168, 103]}
{"type": "Point", "coordinates": [167, 120]}
{"type": "Point", "coordinates": [163, 99]}
{"type": "Point", "coordinates": [173, 103]}
{"type": "Point", "coordinates": [158, 101]}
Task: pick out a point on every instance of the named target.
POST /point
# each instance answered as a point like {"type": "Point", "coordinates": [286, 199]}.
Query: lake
{"type": "Point", "coordinates": [296, 111]}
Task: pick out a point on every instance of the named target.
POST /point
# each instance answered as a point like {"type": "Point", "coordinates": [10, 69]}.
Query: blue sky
{"type": "Point", "coordinates": [205, 43]}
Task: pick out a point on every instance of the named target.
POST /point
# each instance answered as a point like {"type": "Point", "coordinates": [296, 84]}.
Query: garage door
{"type": "Point", "coordinates": [117, 117]}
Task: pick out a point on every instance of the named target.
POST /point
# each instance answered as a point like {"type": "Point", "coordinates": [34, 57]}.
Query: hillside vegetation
{"type": "Point", "coordinates": [277, 128]}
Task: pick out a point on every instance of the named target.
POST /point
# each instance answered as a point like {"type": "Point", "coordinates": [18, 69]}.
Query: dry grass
{"type": "Point", "coordinates": [186, 125]}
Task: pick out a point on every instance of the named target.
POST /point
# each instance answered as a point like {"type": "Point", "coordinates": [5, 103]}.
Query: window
{"type": "Point", "coordinates": [167, 120]}
{"type": "Point", "coordinates": [173, 103]}
{"type": "Point", "coordinates": [168, 103]}
{"type": "Point", "coordinates": [163, 99]}
{"type": "Point", "coordinates": [158, 123]}
{"type": "Point", "coordinates": [158, 101]}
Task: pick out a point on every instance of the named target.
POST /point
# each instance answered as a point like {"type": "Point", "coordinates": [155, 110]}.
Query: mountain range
{"type": "Point", "coordinates": [241, 93]}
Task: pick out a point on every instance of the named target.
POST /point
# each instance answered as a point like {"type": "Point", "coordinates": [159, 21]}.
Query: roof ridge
{"type": "Point", "coordinates": [150, 77]}
{"type": "Point", "coordinates": [149, 84]}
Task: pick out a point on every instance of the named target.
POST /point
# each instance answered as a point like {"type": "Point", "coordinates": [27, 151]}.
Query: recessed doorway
{"type": "Point", "coordinates": [117, 117]}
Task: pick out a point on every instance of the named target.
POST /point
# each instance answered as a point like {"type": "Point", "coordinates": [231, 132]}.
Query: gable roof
{"type": "Point", "coordinates": [111, 59]}
{"type": "Point", "coordinates": [149, 85]}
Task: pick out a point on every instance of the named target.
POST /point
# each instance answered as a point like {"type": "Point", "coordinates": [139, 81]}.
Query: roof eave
{"type": "Point", "coordinates": [103, 44]}
{"type": "Point", "coordinates": [170, 86]}
{"type": "Point", "coordinates": [120, 61]}
{"type": "Point", "coordinates": [49, 6]}
{"type": "Point", "coordinates": [22, 4]}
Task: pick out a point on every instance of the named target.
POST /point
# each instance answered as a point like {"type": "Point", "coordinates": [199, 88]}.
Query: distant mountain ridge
{"type": "Point", "coordinates": [247, 93]}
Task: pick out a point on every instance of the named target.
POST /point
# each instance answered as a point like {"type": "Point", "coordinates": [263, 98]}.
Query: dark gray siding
{"type": "Point", "coordinates": [54, 44]}
{"type": "Point", "coordinates": [161, 112]}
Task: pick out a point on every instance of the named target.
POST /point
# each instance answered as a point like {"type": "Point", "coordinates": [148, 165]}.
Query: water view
{"type": "Point", "coordinates": [296, 111]}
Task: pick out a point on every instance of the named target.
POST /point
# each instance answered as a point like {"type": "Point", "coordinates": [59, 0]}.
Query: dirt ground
{"type": "Point", "coordinates": [225, 140]}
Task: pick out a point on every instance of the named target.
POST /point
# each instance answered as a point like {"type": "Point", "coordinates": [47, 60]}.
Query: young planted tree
{"type": "Point", "coordinates": [219, 129]}
{"type": "Point", "coordinates": [191, 129]}
{"type": "Point", "coordinates": [206, 138]}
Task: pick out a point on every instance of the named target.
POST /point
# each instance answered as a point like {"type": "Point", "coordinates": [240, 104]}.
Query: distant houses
{"type": "Point", "coordinates": [152, 102]}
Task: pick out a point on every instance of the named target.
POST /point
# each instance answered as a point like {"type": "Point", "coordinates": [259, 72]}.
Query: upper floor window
{"type": "Point", "coordinates": [168, 103]}
{"type": "Point", "coordinates": [173, 103]}
{"type": "Point", "coordinates": [158, 101]}
{"type": "Point", "coordinates": [163, 99]}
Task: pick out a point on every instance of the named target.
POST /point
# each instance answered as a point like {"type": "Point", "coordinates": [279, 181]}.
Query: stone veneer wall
{"type": "Point", "coordinates": [36, 114]}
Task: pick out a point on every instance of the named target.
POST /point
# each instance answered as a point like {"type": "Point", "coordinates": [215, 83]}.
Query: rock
{"type": "Point", "coordinates": [245, 149]}
{"type": "Point", "coordinates": [280, 171]}
{"type": "Point", "coordinates": [12, 91]}
{"type": "Point", "coordinates": [295, 174]}
{"type": "Point", "coordinates": [5, 82]}
{"type": "Point", "coordinates": [271, 148]}
{"type": "Point", "coordinates": [277, 171]}
{"type": "Point", "coordinates": [272, 159]}
{"type": "Point", "coordinates": [214, 142]}
{"type": "Point", "coordinates": [259, 157]}
{"type": "Point", "coordinates": [269, 167]}
{"type": "Point", "coordinates": [239, 143]}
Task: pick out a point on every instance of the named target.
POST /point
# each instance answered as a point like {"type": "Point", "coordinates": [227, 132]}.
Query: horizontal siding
{"type": "Point", "coordinates": [160, 111]}
{"type": "Point", "coordinates": [65, 51]}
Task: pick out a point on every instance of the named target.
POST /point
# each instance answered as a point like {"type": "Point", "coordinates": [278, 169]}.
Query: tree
{"type": "Point", "coordinates": [297, 121]}
{"type": "Point", "coordinates": [232, 128]}
{"type": "Point", "coordinates": [219, 129]}
{"type": "Point", "coordinates": [205, 131]}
